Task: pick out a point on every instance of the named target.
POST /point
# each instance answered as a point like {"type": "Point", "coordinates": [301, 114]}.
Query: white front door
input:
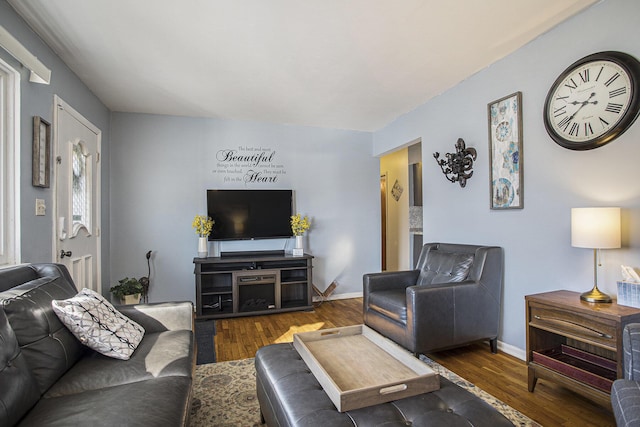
{"type": "Point", "coordinates": [77, 200]}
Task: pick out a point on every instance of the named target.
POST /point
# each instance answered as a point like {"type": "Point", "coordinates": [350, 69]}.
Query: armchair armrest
{"type": "Point", "coordinates": [425, 301]}
{"type": "Point", "coordinates": [386, 280]}
{"type": "Point", "coordinates": [389, 280]}
{"type": "Point", "coordinates": [631, 347]}
{"type": "Point", "coordinates": [423, 296]}
{"type": "Point", "coordinates": [456, 312]}
{"type": "Point", "coordinates": [159, 317]}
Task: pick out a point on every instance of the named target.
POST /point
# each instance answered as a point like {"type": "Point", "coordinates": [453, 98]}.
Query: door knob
{"type": "Point", "coordinates": [64, 254]}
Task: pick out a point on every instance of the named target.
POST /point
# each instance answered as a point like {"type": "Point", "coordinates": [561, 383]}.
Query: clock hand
{"type": "Point", "coordinates": [582, 104]}
{"type": "Point", "coordinates": [587, 101]}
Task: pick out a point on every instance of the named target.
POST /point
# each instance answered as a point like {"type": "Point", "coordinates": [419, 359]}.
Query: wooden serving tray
{"type": "Point", "coordinates": [357, 367]}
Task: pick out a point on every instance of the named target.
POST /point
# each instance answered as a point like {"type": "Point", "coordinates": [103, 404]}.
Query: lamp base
{"type": "Point", "coordinates": [594, 295]}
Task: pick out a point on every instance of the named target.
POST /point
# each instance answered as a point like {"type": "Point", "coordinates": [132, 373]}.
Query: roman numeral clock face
{"type": "Point", "coordinates": [594, 101]}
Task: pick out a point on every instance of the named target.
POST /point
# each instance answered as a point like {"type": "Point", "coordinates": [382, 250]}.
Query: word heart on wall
{"type": "Point", "coordinates": [250, 165]}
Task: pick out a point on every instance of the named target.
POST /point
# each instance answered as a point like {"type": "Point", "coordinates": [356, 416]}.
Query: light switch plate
{"type": "Point", "coordinates": [41, 208]}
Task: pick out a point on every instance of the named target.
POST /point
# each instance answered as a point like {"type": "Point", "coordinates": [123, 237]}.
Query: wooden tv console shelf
{"type": "Point", "coordinates": [576, 343]}
{"type": "Point", "coordinates": [251, 285]}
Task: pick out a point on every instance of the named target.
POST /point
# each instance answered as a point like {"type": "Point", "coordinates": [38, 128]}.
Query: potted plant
{"type": "Point", "coordinates": [127, 291]}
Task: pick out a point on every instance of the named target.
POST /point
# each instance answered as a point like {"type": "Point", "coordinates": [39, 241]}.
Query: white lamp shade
{"type": "Point", "coordinates": [595, 228]}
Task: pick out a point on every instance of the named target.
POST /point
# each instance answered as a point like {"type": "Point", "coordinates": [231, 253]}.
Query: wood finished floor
{"type": "Point", "coordinates": [501, 375]}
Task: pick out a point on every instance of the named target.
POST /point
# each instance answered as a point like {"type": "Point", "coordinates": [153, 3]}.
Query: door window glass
{"type": "Point", "coordinates": [80, 188]}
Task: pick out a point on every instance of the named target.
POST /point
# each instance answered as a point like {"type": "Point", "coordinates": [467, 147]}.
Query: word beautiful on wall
{"type": "Point", "coordinates": [250, 165]}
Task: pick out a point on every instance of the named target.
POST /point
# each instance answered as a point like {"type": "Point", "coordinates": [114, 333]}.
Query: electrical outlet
{"type": "Point", "coordinates": [41, 208]}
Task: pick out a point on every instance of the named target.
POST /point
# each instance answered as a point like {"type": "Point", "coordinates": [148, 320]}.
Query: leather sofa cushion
{"type": "Point", "coordinates": [16, 276]}
{"type": "Point", "coordinates": [445, 267]}
{"type": "Point", "coordinates": [48, 347]}
{"type": "Point", "coordinates": [155, 402]}
{"type": "Point", "coordinates": [159, 355]}
{"type": "Point", "coordinates": [160, 316]}
{"type": "Point", "coordinates": [18, 388]}
{"type": "Point", "coordinates": [391, 303]}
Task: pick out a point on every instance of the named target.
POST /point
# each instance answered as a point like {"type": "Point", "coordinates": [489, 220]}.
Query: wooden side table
{"type": "Point", "coordinates": [576, 343]}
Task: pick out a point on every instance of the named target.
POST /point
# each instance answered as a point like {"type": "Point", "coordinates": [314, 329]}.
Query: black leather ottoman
{"type": "Point", "coordinates": [289, 395]}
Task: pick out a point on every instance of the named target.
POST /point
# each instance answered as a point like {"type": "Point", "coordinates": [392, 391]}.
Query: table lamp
{"type": "Point", "coordinates": [595, 228]}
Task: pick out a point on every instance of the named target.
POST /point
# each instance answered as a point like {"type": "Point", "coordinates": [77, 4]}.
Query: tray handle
{"type": "Point", "coordinates": [393, 389]}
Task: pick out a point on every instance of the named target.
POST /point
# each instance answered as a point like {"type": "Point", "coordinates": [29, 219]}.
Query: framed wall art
{"type": "Point", "coordinates": [505, 152]}
{"type": "Point", "coordinates": [41, 153]}
{"type": "Point", "coordinates": [396, 191]}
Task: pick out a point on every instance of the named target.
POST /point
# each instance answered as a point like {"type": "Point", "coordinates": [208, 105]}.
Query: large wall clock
{"type": "Point", "coordinates": [593, 101]}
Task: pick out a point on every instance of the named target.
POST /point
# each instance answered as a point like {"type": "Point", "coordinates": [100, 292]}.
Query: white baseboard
{"type": "Point", "coordinates": [317, 298]}
{"type": "Point", "coordinates": [346, 296]}
{"type": "Point", "coordinates": [512, 350]}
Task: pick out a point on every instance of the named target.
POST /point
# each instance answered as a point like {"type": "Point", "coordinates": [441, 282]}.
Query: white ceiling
{"type": "Point", "coordinates": [356, 64]}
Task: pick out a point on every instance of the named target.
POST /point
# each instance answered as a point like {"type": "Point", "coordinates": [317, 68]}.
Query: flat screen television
{"type": "Point", "coordinates": [250, 214]}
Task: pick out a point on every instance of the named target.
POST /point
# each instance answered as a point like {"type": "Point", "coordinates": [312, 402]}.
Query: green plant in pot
{"type": "Point", "coordinates": [128, 290]}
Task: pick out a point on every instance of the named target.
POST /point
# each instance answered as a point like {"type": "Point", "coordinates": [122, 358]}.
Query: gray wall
{"type": "Point", "coordinates": [538, 252]}
{"type": "Point", "coordinates": [37, 100]}
{"type": "Point", "coordinates": [162, 167]}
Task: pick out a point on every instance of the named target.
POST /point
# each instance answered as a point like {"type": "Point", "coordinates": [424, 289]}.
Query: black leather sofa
{"type": "Point", "coordinates": [48, 378]}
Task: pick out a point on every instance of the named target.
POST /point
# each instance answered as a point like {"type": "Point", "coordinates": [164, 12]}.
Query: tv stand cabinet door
{"type": "Point", "coordinates": [256, 278]}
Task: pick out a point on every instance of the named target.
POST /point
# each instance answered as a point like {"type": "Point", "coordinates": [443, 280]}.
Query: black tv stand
{"type": "Point", "coordinates": [244, 285]}
{"type": "Point", "coordinates": [229, 254]}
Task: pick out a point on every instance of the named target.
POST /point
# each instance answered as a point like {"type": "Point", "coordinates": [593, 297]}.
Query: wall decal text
{"type": "Point", "coordinates": [250, 165]}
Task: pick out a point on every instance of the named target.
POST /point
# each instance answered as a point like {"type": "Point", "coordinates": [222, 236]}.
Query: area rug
{"type": "Point", "coordinates": [224, 395]}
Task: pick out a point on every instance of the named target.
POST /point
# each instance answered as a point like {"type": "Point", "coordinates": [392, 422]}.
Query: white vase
{"type": "Point", "coordinates": [203, 248]}
{"type": "Point", "coordinates": [299, 249]}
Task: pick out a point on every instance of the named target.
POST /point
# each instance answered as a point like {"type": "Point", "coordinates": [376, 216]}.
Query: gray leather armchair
{"type": "Point", "coordinates": [625, 393]}
{"type": "Point", "coordinates": [452, 298]}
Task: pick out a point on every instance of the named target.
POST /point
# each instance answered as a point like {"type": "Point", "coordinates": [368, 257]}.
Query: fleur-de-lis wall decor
{"type": "Point", "coordinates": [457, 167]}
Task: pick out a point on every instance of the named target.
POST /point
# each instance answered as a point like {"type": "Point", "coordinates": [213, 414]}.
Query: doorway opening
{"type": "Point", "coordinates": [383, 217]}
{"type": "Point", "coordinates": [401, 207]}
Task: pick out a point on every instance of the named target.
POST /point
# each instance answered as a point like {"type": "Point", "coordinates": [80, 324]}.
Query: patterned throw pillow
{"type": "Point", "coordinates": [98, 325]}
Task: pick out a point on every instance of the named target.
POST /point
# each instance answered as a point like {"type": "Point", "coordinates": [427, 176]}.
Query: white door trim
{"type": "Point", "coordinates": [10, 110]}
